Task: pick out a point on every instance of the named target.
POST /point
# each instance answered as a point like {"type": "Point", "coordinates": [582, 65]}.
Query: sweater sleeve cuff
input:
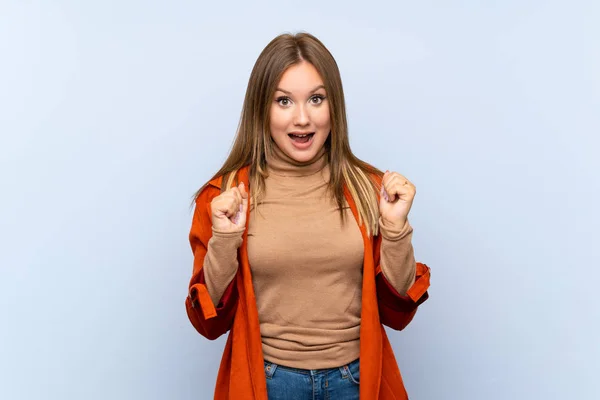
{"type": "Point", "coordinates": [232, 234]}
{"type": "Point", "coordinates": [226, 243]}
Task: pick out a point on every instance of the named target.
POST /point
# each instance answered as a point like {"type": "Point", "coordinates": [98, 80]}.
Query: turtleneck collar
{"type": "Point", "coordinates": [280, 164]}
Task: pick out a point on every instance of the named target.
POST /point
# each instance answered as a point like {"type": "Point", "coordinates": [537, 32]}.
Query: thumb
{"type": "Point", "coordinates": [242, 189]}
{"type": "Point", "coordinates": [244, 194]}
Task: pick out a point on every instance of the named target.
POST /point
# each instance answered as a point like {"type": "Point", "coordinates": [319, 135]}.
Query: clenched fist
{"type": "Point", "coordinates": [229, 209]}
{"type": "Point", "coordinates": [397, 195]}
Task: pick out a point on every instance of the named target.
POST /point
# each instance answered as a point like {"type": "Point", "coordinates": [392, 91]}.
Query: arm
{"type": "Point", "coordinates": [213, 278]}
{"type": "Point", "coordinates": [397, 256]}
{"type": "Point", "coordinates": [220, 262]}
{"type": "Point", "coordinates": [401, 283]}
{"type": "Point", "coordinates": [397, 308]}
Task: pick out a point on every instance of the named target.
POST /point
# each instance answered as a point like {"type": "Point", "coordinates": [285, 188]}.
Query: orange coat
{"type": "Point", "coordinates": [241, 374]}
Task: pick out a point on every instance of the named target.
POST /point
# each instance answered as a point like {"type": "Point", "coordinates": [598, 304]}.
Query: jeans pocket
{"type": "Point", "coordinates": [352, 372]}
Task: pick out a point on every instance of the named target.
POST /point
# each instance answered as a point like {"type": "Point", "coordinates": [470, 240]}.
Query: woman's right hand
{"type": "Point", "coordinates": [228, 210]}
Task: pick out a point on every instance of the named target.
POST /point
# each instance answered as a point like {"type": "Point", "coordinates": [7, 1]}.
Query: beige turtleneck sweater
{"type": "Point", "coordinates": [306, 266]}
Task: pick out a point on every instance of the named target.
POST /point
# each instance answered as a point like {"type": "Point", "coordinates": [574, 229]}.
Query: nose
{"type": "Point", "coordinates": [301, 117]}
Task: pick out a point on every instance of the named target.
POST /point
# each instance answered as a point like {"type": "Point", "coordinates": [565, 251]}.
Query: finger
{"type": "Point", "coordinates": [237, 195]}
{"type": "Point", "coordinates": [396, 177]}
{"type": "Point", "coordinates": [392, 187]}
{"type": "Point", "coordinates": [401, 191]}
{"type": "Point", "coordinates": [399, 180]}
{"type": "Point", "coordinates": [232, 208]}
{"type": "Point", "coordinates": [242, 189]}
{"type": "Point", "coordinates": [388, 181]}
{"type": "Point", "coordinates": [384, 180]}
{"type": "Point", "coordinates": [388, 177]}
{"type": "Point", "coordinates": [385, 177]}
{"type": "Point", "coordinates": [222, 204]}
{"type": "Point", "coordinates": [238, 200]}
{"type": "Point", "coordinates": [231, 202]}
{"type": "Point", "coordinates": [245, 199]}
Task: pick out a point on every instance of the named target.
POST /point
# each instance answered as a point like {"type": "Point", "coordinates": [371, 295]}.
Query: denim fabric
{"type": "Point", "coordinates": [285, 383]}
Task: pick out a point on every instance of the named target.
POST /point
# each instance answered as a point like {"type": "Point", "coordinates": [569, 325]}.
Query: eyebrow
{"type": "Point", "coordinates": [312, 91]}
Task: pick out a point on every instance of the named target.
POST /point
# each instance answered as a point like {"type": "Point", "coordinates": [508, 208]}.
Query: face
{"type": "Point", "coordinates": [300, 122]}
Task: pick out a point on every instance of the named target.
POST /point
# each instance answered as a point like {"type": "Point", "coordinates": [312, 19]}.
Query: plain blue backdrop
{"type": "Point", "coordinates": [113, 113]}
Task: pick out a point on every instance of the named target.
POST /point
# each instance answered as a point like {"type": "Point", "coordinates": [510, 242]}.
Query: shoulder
{"type": "Point", "coordinates": [208, 192]}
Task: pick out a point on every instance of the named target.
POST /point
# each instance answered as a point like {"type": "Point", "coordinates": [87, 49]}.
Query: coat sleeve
{"type": "Point", "coordinates": [209, 320]}
{"type": "Point", "coordinates": [395, 310]}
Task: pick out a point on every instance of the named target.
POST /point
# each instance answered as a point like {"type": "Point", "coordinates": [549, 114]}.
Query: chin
{"type": "Point", "coordinates": [302, 157]}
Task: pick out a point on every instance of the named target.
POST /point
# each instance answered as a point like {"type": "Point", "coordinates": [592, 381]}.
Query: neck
{"type": "Point", "coordinates": [280, 164]}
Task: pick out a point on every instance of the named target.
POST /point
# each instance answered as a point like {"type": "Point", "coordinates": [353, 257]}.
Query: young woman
{"type": "Point", "coordinates": [301, 250]}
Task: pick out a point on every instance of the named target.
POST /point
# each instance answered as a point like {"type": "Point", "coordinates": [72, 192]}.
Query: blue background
{"type": "Point", "coordinates": [113, 113]}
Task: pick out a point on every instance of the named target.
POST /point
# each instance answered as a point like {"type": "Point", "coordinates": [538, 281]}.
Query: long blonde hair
{"type": "Point", "coordinates": [253, 139]}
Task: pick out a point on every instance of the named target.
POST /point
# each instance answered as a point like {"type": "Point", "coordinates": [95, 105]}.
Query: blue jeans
{"type": "Point", "coordinates": [286, 383]}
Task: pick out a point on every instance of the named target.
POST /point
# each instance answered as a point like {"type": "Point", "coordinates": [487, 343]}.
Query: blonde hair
{"type": "Point", "coordinates": [253, 139]}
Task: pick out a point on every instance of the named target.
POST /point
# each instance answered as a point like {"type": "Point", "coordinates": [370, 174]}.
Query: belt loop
{"type": "Point", "coordinates": [270, 369]}
{"type": "Point", "coordinates": [344, 371]}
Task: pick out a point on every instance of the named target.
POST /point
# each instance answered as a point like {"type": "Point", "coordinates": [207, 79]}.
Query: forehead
{"type": "Point", "coordinates": [299, 78]}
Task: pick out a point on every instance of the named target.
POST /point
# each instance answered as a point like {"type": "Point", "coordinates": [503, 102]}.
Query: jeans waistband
{"type": "Point", "coordinates": [270, 368]}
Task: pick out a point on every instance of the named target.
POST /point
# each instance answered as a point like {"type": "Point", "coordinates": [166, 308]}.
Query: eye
{"type": "Point", "coordinates": [317, 99]}
{"type": "Point", "coordinates": [283, 101]}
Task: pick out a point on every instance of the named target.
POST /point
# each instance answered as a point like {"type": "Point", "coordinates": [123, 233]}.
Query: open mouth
{"type": "Point", "coordinates": [301, 138]}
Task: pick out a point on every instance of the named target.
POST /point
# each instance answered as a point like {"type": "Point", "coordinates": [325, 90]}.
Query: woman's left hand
{"type": "Point", "coordinates": [397, 195]}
